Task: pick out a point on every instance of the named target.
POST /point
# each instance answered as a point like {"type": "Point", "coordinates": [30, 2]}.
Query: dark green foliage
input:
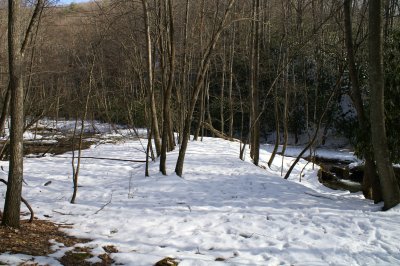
{"type": "Point", "coordinates": [392, 93]}
{"type": "Point", "coordinates": [361, 140]}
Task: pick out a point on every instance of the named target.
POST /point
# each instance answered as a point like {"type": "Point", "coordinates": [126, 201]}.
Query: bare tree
{"type": "Point", "coordinates": [150, 87]}
{"type": "Point", "coordinates": [254, 77]}
{"type": "Point", "coordinates": [76, 167]}
{"type": "Point", "coordinates": [204, 65]}
{"type": "Point", "coordinates": [230, 78]}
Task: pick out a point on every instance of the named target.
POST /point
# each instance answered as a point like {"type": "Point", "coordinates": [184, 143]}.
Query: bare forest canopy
{"type": "Point", "coordinates": [263, 64]}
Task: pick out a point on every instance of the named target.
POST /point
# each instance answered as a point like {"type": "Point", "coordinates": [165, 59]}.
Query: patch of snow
{"type": "Point", "coordinates": [30, 136]}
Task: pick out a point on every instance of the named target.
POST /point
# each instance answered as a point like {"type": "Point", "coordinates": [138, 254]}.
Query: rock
{"type": "Point", "coordinates": [167, 262]}
{"type": "Point", "coordinates": [331, 181]}
{"type": "Point", "coordinates": [340, 172]}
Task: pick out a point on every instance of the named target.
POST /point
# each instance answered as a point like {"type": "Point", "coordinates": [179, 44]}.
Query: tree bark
{"type": "Point", "coordinates": [389, 185]}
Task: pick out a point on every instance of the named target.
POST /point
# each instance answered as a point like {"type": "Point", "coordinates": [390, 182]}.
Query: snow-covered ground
{"type": "Point", "coordinates": [222, 208]}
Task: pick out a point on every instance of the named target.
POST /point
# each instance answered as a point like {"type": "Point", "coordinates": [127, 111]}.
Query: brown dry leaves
{"type": "Point", "coordinates": [33, 238]}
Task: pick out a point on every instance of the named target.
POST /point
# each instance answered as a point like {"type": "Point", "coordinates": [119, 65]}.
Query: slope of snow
{"type": "Point", "coordinates": [222, 208]}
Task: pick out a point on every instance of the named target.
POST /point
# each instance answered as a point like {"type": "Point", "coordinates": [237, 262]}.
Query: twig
{"type": "Point", "coordinates": [102, 207]}
{"type": "Point", "coordinates": [101, 158]}
{"type": "Point", "coordinates": [318, 196]}
{"type": "Point", "coordinates": [301, 173]}
{"type": "Point", "coordinates": [62, 213]}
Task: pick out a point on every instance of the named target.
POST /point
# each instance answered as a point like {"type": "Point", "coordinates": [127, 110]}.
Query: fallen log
{"type": "Point", "coordinates": [218, 133]}
{"type": "Point", "coordinates": [103, 158]}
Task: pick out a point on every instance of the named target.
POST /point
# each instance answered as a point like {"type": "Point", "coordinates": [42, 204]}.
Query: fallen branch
{"type": "Point", "coordinates": [62, 213]}
{"type": "Point", "coordinates": [217, 132]}
{"type": "Point", "coordinates": [101, 158]}
{"type": "Point", "coordinates": [57, 144]}
{"type": "Point", "coordinates": [102, 207]}
{"type": "Point", "coordinates": [23, 200]}
{"type": "Point", "coordinates": [318, 196]}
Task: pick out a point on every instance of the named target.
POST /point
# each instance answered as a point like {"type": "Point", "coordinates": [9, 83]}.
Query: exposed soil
{"type": "Point", "coordinates": [166, 262]}
{"type": "Point", "coordinates": [34, 239]}
{"type": "Point", "coordinates": [79, 255]}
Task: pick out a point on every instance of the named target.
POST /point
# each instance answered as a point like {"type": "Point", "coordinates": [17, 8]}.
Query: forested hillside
{"type": "Point", "coordinates": [275, 61]}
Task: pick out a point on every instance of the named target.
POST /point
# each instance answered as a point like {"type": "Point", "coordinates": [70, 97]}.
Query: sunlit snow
{"type": "Point", "coordinates": [222, 208]}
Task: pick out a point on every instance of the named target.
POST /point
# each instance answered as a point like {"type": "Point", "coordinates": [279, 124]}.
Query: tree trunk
{"type": "Point", "coordinates": [16, 49]}
{"type": "Point", "coordinates": [201, 103]}
{"type": "Point", "coordinates": [277, 126]}
{"type": "Point", "coordinates": [185, 77]}
{"type": "Point", "coordinates": [150, 87]}
{"type": "Point", "coordinates": [254, 69]}
{"type": "Point", "coordinates": [230, 86]}
{"type": "Point", "coordinates": [285, 108]}
{"type": "Point", "coordinates": [12, 205]}
{"type": "Point", "coordinates": [222, 93]}
{"type": "Point", "coordinates": [200, 114]}
{"type": "Point", "coordinates": [370, 178]}
{"type": "Point", "coordinates": [75, 172]}
{"type": "Point", "coordinates": [389, 185]}
{"type": "Point", "coordinates": [166, 139]}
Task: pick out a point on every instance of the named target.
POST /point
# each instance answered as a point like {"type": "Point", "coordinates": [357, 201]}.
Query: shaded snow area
{"type": "Point", "coordinates": [62, 127]}
{"type": "Point", "coordinates": [223, 208]}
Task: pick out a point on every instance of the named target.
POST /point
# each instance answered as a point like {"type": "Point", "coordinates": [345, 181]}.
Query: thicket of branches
{"type": "Point", "coordinates": [300, 50]}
